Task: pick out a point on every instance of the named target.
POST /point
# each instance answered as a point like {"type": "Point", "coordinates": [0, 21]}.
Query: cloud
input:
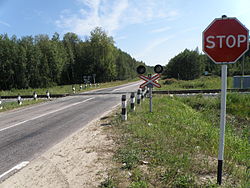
{"type": "Point", "coordinates": [152, 45]}
{"type": "Point", "coordinates": [160, 30]}
{"type": "Point", "coordinates": [94, 13]}
{"type": "Point", "coordinates": [112, 15]}
{"type": "Point", "coordinates": [4, 23]}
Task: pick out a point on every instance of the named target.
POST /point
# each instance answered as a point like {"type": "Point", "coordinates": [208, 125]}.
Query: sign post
{"type": "Point", "coordinates": [225, 40]}
{"type": "Point", "coordinates": [150, 81]}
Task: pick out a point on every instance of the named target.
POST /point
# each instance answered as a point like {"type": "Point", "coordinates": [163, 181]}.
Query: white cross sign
{"type": "Point", "coordinates": [149, 81]}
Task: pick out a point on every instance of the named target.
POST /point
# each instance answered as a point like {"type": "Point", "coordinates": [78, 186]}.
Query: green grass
{"type": "Point", "coordinates": [13, 105]}
{"type": "Point", "coordinates": [179, 140]}
{"type": "Point", "coordinates": [209, 82]}
{"type": "Point", "coordinates": [61, 89]}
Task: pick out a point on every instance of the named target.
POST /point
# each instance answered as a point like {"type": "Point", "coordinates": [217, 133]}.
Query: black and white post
{"type": "Point", "coordinates": [73, 89]}
{"type": "Point", "coordinates": [1, 105]}
{"type": "Point", "coordinates": [35, 95]}
{"type": "Point", "coordinates": [139, 96]}
{"type": "Point", "coordinates": [124, 110]}
{"type": "Point", "coordinates": [132, 101]}
{"type": "Point", "coordinates": [19, 100]}
{"type": "Point", "coordinates": [142, 94]}
{"type": "Point", "coordinates": [47, 94]}
{"type": "Point", "coordinates": [222, 122]}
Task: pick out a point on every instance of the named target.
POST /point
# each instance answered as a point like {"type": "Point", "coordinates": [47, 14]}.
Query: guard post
{"type": "Point", "coordinates": [124, 110]}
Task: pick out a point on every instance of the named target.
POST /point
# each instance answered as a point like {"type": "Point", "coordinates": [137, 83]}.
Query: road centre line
{"type": "Point", "coordinates": [45, 114]}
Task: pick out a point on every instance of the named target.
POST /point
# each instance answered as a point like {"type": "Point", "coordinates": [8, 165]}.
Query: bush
{"type": "Point", "coordinates": [170, 81]}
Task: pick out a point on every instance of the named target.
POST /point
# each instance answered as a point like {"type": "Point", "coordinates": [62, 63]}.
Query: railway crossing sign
{"type": "Point", "coordinates": [150, 81]}
{"type": "Point", "coordinates": [225, 40]}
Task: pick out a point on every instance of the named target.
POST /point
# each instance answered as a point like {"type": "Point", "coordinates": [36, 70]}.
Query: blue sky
{"type": "Point", "coordinates": [153, 31]}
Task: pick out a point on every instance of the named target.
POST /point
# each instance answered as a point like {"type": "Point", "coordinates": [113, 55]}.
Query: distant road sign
{"type": "Point", "coordinates": [150, 81]}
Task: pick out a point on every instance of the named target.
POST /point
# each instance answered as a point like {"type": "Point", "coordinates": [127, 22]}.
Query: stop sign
{"type": "Point", "coordinates": [225, 40]}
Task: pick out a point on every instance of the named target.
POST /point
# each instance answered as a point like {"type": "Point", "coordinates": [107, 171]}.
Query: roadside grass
{"type": "Point", "coordinates": [205, 82]}
{"type": "Point", "coordinates": [62, 89]}
{"type": "Point", "coordinates": [12, 105]}
{"type": "Point", "coordinates": [177, 144]}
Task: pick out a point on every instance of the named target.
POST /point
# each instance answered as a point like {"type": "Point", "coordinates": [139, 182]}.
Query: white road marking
{"type": "Point", "coordinates": [17, 167]}
{"type": "Point", "coordinates": [45, 114]}
{"type": "Point", "coordinates": [125, 87]}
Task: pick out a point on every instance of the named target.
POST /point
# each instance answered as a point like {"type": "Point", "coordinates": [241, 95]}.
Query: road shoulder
{"type": "Point", "coordinates": [81, 160]}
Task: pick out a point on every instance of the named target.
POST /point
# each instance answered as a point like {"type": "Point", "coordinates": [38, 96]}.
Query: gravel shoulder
{"type": "Point", "coordinates": [81, 160]}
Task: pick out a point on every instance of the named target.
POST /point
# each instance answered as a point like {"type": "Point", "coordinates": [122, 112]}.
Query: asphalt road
{"type": "Point", "coordinates": [27, 132]}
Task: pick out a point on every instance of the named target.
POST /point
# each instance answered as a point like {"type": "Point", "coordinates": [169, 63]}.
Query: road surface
{"type": "Point", "coordinates": [28, 132]}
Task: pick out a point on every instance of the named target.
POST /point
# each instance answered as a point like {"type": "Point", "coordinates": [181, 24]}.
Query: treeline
{"type": "Point", "coordinates": [40, 61]}
{"type": "Point", "coordinates": [191, 64]}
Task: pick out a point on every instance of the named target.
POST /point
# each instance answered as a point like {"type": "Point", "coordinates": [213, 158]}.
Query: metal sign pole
{"type": "Point", "coordinates": [150, 95]}
{"type": "Point", "coordinates": [222, 121]}
{"type": "Point", "coordinates": [150, 100]}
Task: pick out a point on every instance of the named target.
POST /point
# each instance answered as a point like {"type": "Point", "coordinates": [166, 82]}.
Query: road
{"type": "Point", "coordinates": [28, 132]}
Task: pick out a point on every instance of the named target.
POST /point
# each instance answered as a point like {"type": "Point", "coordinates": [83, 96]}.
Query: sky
{"type": "Point", "coordinates": [152, 31]}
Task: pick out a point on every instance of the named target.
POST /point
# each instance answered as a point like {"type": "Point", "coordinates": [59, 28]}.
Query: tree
{"type": "Point", "coordinates": [187, 65]}
{"type": "Point", "coordinates": [103, 58]}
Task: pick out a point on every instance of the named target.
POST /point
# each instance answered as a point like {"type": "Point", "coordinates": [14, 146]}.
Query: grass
{"type": "Point", "coordinates": [210, 82]}
{"type": "Point", "coordinates": [61, 89]}
{"type": "Point", "coordinates": [13, 105]}
{"type": "Point", "coordinates": [177, 144]}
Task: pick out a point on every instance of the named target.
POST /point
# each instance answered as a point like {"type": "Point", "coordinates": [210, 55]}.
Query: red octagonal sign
{"type": "Point", "coordinates": [225, 40]}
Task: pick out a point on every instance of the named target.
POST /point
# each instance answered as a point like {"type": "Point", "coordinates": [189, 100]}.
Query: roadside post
{"type": "Point", "coordinates": [132, 101]}
{"type": "Point", "coordinates": [150, 81]}
{"type": "Point", "coordinates": [138, 96]}
{"type": "Point", "coordinates": [47, 94]}
{"type": "Point", "coordinates": [224, 41]}
{"type": "Point", "coordinates": [124, 110]}
{"type": "Point", "coordinates": [1, 105]}
{"type": "Point", "coordinates": [35, 95]}
{"type": "Point", "coordinates": [73, 89]}
{"type": "Point", "coordinates": [19, 99]}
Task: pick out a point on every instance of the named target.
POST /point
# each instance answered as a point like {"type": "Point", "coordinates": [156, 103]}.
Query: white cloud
{"type": "Point", "coordinates": [112, 15]}
{"type": "Point", "coordinates": [152, 45]}
{"type": "Point", "coordinates": [160, 30]}
{"type": "Point", "coordinates": [5, 23]}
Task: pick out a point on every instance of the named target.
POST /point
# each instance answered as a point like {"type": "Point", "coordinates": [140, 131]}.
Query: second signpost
{"type": "Point", "coordinates": [150, 81]}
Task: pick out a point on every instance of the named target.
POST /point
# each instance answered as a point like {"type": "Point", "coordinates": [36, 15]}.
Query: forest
{"type": "Point", "coordinates": [40, 61]}
{"type": "Point", "coordinates": [191, 64]}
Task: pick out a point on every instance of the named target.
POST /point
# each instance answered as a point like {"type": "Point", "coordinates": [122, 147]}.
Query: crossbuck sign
{"type": "Point", "coordinates": [150, 81]}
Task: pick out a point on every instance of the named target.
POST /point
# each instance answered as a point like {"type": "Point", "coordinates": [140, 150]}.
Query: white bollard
{"type": "Point", "coordinates": [34, 95]}
{"type": "Point", "coordinates": [132, 101]}
{"type": "Point", "coordinates": [124, 110]}
{"type": "Point", "coordinates": [47, 94]}
{"type": "Point", "coordinates": [80, 87]}
{"type": "Point", "coordinates": [73, 89]}
{"type": "Point", "coordinates": [139, 96]}
{"type": "Point", "coordinates": [1, 105]}
{"type": "Point", "coordinates": [19, 100]}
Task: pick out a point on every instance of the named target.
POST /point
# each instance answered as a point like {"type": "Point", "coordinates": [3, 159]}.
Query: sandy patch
{"type": "Point", "coordinates": [81, 160]}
